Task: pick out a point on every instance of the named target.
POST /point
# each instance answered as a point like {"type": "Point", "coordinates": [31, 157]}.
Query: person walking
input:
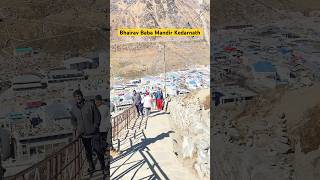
{"type": "Point", "coordinates": [141, 105]}
{"type": "Point", "coordinates": [105, 126]}
{"type": "Point", "coordinates": [168, 99]}
{"type": "Point", "coordinates": [137, 102]}
{"type": "Point", "coordinates": [154, 100]}
{"type": "Point", "coordinates": [159, 99]}
{"type": "Point", "coordinates": [86, 118]}
{"type": "Point", "coordinates": [147, 104]}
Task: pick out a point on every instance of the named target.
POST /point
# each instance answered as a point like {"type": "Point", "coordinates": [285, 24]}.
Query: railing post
{"type": "Point", "coordinates": [117, 128]}
{"type": "Point", "coordinates": [128, 117]}
{"type": "Point", "coordinates": [59, 167]}
{"type": "Point", "coordinates": [127, 122]}
{"type": "Point", "coordinates": [80, 153]}
{"type": "Point", "coordinates": [49, 170]}
{"type": "Point", "coordinates": [77, 160]}
{"type": "Point", "coordinates": [113, 129]}
{"type": "Point", "coordinates": [118, 144]}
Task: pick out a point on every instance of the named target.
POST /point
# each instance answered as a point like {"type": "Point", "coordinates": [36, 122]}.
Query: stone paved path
{"type": "Point", "coordinates": [148, 153]}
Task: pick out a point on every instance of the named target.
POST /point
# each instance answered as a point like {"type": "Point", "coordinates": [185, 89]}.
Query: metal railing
{"type": "Point", "coordinates": [63, 164]}
{"type": "Point", "coordinates": [68, 162]}
{"type": "Point", "coordinates": [122, 121]}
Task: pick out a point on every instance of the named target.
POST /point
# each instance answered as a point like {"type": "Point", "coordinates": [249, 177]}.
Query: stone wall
{"type": "Point", "coordinates": [192, 133]}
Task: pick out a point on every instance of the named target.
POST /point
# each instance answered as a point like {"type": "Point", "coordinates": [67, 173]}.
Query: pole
{"type": "Point", "coordinates": [165, 70]}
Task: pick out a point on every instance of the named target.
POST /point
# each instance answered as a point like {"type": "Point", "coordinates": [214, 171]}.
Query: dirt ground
{"type": "Point", "coordinates": [300, 107]}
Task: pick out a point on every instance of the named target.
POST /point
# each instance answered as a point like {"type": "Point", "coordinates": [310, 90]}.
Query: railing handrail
{"type": "Point", "coordinates": [44, 160]}
{"type": "Point", "coordinates": [124, 118]}
{"type": "Point", "coordinates": [122, 121]}
{"type": "Point", "coordinates": [128, 109]}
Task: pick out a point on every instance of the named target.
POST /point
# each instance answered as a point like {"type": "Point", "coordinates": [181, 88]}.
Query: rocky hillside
{"type": "Point", "coordinates": [273, 137]}
{"type": "Point", "coordinates": [158, 14]}
{"type": "Point", "coordinates": [232, 12]}
{"type": "Point", "coordinates": [54, 26]}
{"type": "Point", "coordinates": [190, 119]}
{"type": "Point", "coordinates": [133, 57]}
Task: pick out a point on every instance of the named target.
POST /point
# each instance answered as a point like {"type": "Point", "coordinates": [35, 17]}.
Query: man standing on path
{"type": "Point", "coordinates": [147, 103]}
{"type": "Point", "coordinates": [86, 120]}
{"type": "Point", "coordinates": [137, 103]}
{"type": "Point", "coordinates": [105, 126]}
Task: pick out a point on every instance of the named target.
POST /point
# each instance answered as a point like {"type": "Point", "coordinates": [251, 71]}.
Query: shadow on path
{"type": "Point", "coordinates": [148, 159]}
{"type": "Point", "coordinates": [158, 114]}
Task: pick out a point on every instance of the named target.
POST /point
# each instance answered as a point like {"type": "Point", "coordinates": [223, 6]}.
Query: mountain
{"type": "Point", "coordinates": [233, 12]}
{"type": "Point", "coordinates": [158, 14]}
{"type": "Point", "coordinates": [56, 26]}
{"type": "Point", "coordinates": [138, 56]}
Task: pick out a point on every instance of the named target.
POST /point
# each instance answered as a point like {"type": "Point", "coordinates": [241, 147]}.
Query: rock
{"type": "Point", "coordinates": [187, 147]}
{"type": "Point", "coordinates": [193, 124]}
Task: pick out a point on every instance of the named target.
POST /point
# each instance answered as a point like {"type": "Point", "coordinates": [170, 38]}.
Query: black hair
{"type": "Point", "coordinates": [77, 92]}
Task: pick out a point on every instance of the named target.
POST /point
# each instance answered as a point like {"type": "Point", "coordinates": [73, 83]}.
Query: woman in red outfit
{"type": "Point", "coordinates": [159, 99]}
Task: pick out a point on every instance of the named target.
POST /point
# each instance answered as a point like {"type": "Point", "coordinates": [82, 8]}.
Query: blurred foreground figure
{"type": "Point", "coordinates": [5, 150]}
{"type": "Point", "coordinates": [86, 120]}
{"type": "Point", "coordinates": [105, 126]}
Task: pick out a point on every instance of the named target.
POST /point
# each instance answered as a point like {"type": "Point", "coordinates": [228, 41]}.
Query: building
{"type": "Point", "coordinates": [231, 94]}
{"type": "Point", "coordinates": [58, 111]}
{"type": "Point", "coordinates": [283, 74]}
{"type": "Point", "coordinates": [27, 81]}
{"type": "Point", "coordinates": [62, 75]}
{"type": "Point", "coordinates": [119, 87]}
{"type": "Point", "coordinates": [34, 104]}
{"type": "Point", "coordinates": [34, 137]}
{"type": "Point", "coordinates": [80, 63]}
{"type": "Point", "coordinates": [24, 52]}
{"type": "Point", "coordinates": [31, 149]}
{"type": "Point", "coordinates": [264, 73]}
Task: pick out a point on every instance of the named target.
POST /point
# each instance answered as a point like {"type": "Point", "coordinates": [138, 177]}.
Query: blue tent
{"type": "Point", "coordinates": [263, 66]}
{"type": "Point", "coordinates": [285, 50]}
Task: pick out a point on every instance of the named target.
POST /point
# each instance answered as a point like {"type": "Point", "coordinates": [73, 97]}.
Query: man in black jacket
{"type": "Point", "coordinates": [137, 102]}
{"type": "Point", "coordinates": [86, 120]}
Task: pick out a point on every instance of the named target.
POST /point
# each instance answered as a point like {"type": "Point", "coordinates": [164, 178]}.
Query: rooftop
{"type": "Point", "coordinates": [263, 66]}
{"type": "Point", "coordinates": [234, 91]}
{"type": "Point", "coordinates": [26, 78]}
{"type": "Point", "coordinates": [75, 60]}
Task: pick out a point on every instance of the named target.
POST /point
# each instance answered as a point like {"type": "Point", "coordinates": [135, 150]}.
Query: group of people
{"type": "Point", "coordinates": [91, 124]}
{"type": "Point", "coordinates": [149, 101]}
